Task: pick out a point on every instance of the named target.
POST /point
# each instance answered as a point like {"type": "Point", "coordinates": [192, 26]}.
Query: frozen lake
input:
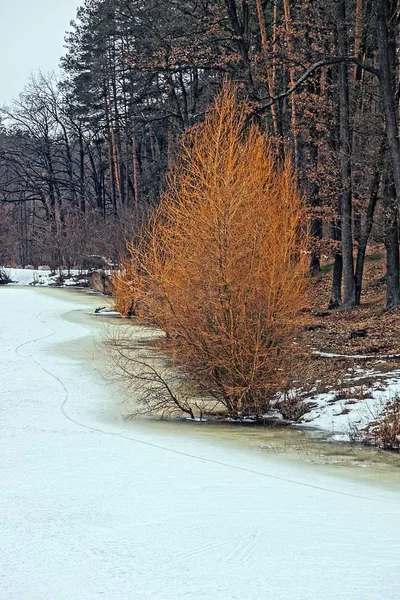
{"type": "Point", "coordinates": [93, 506]}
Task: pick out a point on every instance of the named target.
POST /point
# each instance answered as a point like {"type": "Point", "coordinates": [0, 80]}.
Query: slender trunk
{"type": "Point", "coordinates": [336, 291]}
{"type": "Point", "coordinates": [135, 169]}
{"type": "Point", "coordinates": [357, 34]}
{"type": "Point", "coordinates": [116, 128]}
{"type": "Point", "coordinates": [69, 163]}
{"type": "Point", "coordinates": [316, 233]}
{"type": "Point", "coordinates": [392, 247]}
{"type": "Point", "coordinates": [82, 172]}
{"type": "Point", "coordinates": [388, 81]}
{"type": "Point", "coordinates": [240, 31]}
{"type": "Point", "coordinates": [113, 191]}
{"type": "Point", "coordinates": [126, 129]}
{"type": "Point", "coordinates": [316, 221]}
{"type": "Point", "coordinates": [292, 80]}
{"type": "Point", "coordinates": [345, 162]}
{"type": "Point", "coordinates": [366, 231]}
{"type": "Point", "coordinates": [96, 180]}
{"type": "Point", "coordinates": [269, 71]}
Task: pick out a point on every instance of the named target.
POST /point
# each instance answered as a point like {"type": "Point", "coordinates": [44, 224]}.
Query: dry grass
{"type": "Point", "coordinates": [385, 433]}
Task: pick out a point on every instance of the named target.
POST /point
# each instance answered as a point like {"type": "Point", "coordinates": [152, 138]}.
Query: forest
{"type": "Point", "coordinates": [83, 156]}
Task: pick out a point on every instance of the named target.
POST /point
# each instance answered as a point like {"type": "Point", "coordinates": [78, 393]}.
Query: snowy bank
{"type": "Point", "coordinates": [345, 413]}
{"type": "Point", "coordinates": [45, 277]}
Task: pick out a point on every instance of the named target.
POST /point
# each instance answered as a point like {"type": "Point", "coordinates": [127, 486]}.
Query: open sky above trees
{"type": "Point", "coordinates": [31, 39]}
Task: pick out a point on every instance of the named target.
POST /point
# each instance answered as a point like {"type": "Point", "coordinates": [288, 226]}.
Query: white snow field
{"type": "Point", "coordinates": [41, 277]}
{"type": "Point", "coordinates": [93, 507]}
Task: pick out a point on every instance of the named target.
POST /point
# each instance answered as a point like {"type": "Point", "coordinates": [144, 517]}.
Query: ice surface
{"type": "Point", "coordinates": [94, 508]}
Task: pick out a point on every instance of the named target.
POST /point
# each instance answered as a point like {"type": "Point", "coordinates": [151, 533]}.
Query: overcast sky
{"type": "Point", "coordinates": [31, 38]}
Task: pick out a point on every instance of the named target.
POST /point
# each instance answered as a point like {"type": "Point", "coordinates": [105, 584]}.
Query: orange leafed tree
{"type": "Point", "coordinates": [222, 266]}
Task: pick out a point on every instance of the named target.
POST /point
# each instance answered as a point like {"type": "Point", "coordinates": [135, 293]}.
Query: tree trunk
{"type": "Point", "coordinates": [336, 292]}
{"type": "Point", "coordinates": [316, 221]}
{"type": "Point", "coordinates": [269, 71]}
{"type": "Point", "coordinates": [135, 169]}
{"type": "Point", "coordinates": [387, 58]}
{"type": "Point", "coordinates": [388, 80]}
{"type": "Point", "coordinates": [392, 247]}
{"type": "Point", "coordinates": [366, 231]}
{"type": "Point", "coordinates": [240, 31]}
{"type": "Point", "coordinates": [292, 80]}
{"type": "Point", "coordinates": [316, 233]}
{"type": "Point", "coordinates": [82, 179]}
{"type": "Point", "coordinates": [345, 162]}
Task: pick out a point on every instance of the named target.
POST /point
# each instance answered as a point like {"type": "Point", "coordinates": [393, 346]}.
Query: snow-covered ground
{"type": "Point", "coordinates": [95, 508]}
{"type": "Point", "coordinates": [344, 414]}
{"type": "Point", "coordinates": [38, 277]}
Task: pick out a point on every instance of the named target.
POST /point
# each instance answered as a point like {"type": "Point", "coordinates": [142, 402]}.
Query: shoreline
{"type": "Point", "coordinates": [300, 444]}
{"type": "Point", "coordinates": [294, 443]}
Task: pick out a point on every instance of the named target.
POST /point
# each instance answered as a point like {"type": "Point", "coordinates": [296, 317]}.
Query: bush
{"type": "Point", "coordinates": [293, 407]}
{"type": "Point", "coordinates": [385, 433]}
{"type": "Point", "coordinates": [4, 277]}
{"type": "Point", "coordinates": [221, 267]}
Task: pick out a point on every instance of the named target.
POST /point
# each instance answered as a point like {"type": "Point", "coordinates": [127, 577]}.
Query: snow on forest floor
{"type": "Point", "coordinates": [94, 507]}
{"type": "Point", "coordinates": [344, 413]}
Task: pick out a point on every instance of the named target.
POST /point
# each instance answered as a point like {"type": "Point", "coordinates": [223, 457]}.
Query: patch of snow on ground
{"type": "Point", "coordinates": [349, 415]}
{"type": "Point", "coordinates": [40, 277]}
{"type": "Point", "coordinates": [95, 508]}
